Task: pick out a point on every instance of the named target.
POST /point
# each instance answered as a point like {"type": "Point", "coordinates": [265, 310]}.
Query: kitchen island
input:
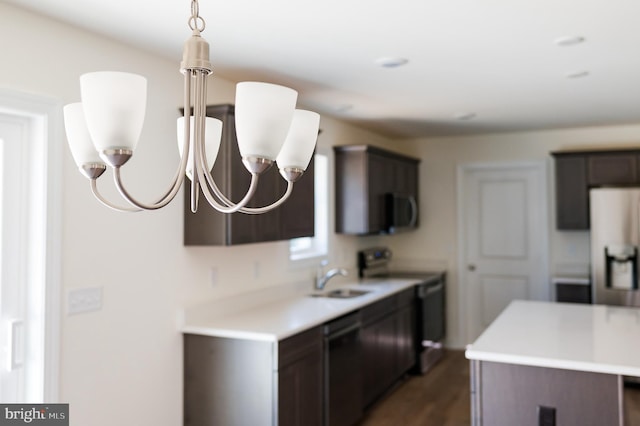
{"type": "Point", "coordinates": [543, 363]}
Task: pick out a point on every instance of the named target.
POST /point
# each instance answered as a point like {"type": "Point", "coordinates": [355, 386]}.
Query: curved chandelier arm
{"type": "Point", "coordinates": [260, 210]}
{"type": "Point", "coordinates": [211, 187]}
{"type": "Point", "coordinates": [166, 199]}
{"type": "Point", "coordinates": [230, 207]}
{"type": "Point", "coordinates": [107, 203]}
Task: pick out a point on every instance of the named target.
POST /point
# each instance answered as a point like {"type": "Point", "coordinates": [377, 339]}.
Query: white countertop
{"type": "Point", "coordinates": [278, 319]}
{"type": "Point", "coordinates": [596, 338]}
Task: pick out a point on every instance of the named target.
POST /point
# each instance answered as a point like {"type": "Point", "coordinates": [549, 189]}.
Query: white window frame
{"type": "Point", "coordinates": [42, 193]}
{"type": "Point", "coordinates": [316, 247]}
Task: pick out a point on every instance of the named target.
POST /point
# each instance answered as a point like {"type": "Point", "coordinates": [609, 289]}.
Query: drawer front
{"type": "Point", "coordinates": [379, 309]}
{"type": "Point", "coordinates": [297, 346]}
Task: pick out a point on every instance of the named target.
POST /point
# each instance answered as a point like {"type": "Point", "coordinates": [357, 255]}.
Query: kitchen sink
{"type": "Point", "coordinates": [341, 293]}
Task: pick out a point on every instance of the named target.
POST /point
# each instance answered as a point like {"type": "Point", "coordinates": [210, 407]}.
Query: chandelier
{"type": "Point", "coordinates": [104, 128]}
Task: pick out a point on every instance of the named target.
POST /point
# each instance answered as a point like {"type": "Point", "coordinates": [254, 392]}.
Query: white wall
{"type": "Point", "coordinates": [435, 242]}
{"type": "Point", "coordinates": [123, 364]}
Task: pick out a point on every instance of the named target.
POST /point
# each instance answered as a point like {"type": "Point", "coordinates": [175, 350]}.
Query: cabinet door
{"type": "Point", "coordinates": [300, 380]}
{"type": "Point", "coordinates": [297, 217]}
{"type": "Point", "coordinates": [210, 227]}
{"type": "Point", "coordinates": [207, 226]}
{"type": "Point", "coordinates": [379, 173]}
{"type": "Point", "coordinates": [406, 354]}
{"type": "Point", "coordinates": [241, 228]}
{"type": "Point", "coordinates": [266, 226]}
{"type": "Point", "coordinates": [379, 357]}
{"type": "Point", "coordinates": [405, 176]}
{"type": "Point", "coordinates": [572, 193]}
{"type": "Point", "coordinates": [612, 169]}
{"type": "Point", "coordinates": [300, 393]}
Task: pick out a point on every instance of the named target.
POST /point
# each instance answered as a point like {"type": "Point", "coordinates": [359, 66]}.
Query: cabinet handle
{"type": "Point", "coordinates": [471, 267]}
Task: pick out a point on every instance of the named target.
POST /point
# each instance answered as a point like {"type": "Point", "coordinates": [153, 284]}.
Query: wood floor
{"type": "Point", "coordinates": [441, 398]}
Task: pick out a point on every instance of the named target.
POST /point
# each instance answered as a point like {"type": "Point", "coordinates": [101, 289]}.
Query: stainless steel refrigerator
{"type": "Point", "coordinates": [615, 244]}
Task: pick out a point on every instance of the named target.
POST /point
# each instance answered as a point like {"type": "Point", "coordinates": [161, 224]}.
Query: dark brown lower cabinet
{"type": "Point", "coordinates": [260, 383]}
{"type": "Point", "coordinates": [300, 380]}
{"type": "Point", "coordinates": [246, 382]}
{"type": "Point", "coordinates": [387, 343]}
{"type": "Point", "coordinates": [405, 343]}
{"type": "Point", "coordinates": [507, 394]}
{"type": "Point", "coordinates": [379, 352]}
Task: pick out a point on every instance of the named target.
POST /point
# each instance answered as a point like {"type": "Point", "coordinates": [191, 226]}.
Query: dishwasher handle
{"type": "Point", "coordinates": [424, 291]}
{"type": "Point", "coordinates": [343, 332]}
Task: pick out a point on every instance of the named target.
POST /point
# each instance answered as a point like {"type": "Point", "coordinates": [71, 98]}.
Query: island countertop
{"type": "Point", "coordinates": [596, 338]}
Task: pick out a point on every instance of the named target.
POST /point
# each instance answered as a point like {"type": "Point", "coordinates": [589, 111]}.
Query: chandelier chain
{"type": "Point", "coordinates": [196, 22]}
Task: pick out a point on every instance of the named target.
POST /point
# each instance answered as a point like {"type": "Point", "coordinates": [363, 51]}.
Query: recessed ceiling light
{"type": "Point", "coordinates": [577, 74]}
{"type": "Point", "coordinates": [391, 62]}
{"type": "Point", "coordinates": [569, 41]}
{"type": "Point", "coordinates": [464, 116]}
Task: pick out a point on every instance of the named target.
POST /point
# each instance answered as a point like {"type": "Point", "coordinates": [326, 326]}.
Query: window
{"type": "Point", "coordinates": [29, 237]}
{"type": "Point", "coordinates": [316, 246]}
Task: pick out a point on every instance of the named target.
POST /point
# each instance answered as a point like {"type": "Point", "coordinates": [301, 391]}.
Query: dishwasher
{"type": "Point", "coordinates": [343, 371]}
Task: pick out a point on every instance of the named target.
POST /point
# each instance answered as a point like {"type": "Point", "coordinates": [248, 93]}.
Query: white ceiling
{"type": "Point", "coordinates": [496, 59]}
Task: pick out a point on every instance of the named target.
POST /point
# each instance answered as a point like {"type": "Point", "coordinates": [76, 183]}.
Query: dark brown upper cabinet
{"type": "Point", "coordinates": [293, 219]}
{"type": "Point", "coordinates": [363, 176]}
{"type": "Point", "coordinates": [578, 171]}
{"type": "Point", "coordinates": [612, 168]}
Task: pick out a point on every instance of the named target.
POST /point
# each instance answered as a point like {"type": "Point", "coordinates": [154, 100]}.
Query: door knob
{"type": "Point", "coordinates": [471, 267]}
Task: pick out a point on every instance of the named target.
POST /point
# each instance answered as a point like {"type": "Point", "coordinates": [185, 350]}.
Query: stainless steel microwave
{"type": "Point", "coordinates": [401, 212]}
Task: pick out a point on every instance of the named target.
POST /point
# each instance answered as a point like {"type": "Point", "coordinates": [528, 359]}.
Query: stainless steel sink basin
{"type": "Point", "coordinates": [342, 293]}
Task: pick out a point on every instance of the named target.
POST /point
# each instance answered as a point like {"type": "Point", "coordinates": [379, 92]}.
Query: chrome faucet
{"type": "Point", "coordinates": [322, 278]}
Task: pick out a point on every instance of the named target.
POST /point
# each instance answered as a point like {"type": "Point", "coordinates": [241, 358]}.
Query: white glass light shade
{"type": "Point", "coordinates": [301, 140]}
{"type": "Point", "coordinates": [263, 115]}
{"type": "Point", "coordinates": [213, 133]}
{"type": "Point", "coordinates": [114, 107]}
{"type": "Point", "coordinates": [80, 143]}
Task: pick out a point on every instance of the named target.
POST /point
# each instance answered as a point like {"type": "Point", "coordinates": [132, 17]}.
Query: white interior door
{"type": "Point", "coordinates": [504, 244]}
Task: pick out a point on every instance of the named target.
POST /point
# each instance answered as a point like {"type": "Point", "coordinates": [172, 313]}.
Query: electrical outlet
{"type": "Point", "coordinates": [84, 300]}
